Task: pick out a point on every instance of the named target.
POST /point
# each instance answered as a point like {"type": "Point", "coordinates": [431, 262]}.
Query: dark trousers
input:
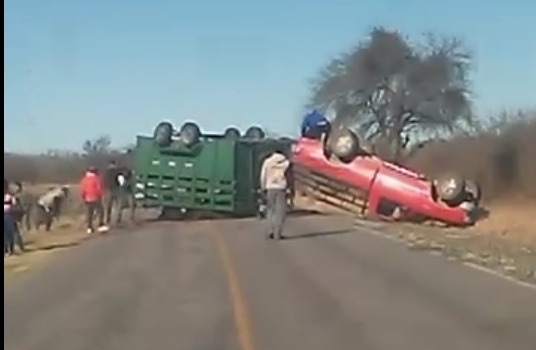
{"type": "Point", "coordinates": [43, 217]}
{"type": "Point", "coordinates": [9, 234]}
{"type": "Point", "coordinates": [276, 211]}
{"type": "Point", "coordinates": [12, 235]}
{"type": "Point", "coordinates": [94, 211]}
{"type": "Point", "coordinates": [117, 201]}
{"type": "Point", "coordinates": [18, 240]}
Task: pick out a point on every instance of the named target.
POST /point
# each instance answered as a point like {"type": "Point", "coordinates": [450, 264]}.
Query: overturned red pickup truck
{"type": "Point", "coordinates": [335, 168]}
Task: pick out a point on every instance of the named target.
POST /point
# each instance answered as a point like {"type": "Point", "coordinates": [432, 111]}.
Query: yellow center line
{"type": "Point", "coordinates": [241, 316]}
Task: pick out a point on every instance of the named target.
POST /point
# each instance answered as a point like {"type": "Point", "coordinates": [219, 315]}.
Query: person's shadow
{"type": "Point", "coordinates": [319, 234]}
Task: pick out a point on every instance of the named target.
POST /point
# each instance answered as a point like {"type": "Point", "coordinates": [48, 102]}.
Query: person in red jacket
{"type": "Point", "coordinates": [91, 190]}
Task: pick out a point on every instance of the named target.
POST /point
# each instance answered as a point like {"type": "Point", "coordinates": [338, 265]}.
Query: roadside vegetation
{"type": "Point", "coordinates": [411, 101]}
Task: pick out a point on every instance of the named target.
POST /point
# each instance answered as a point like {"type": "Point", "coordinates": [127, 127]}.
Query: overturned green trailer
{"type": "Point", "coordinates": [186, 170]}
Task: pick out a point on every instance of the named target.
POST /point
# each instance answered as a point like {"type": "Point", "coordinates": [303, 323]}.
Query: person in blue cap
{"type": "Point", "coordinates": [314, 125]}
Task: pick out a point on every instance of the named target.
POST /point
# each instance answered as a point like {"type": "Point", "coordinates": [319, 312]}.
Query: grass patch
{"type": "Point", "coordinates": [506, 242]}
{"type": "Point", "coordinates": [67, 233]}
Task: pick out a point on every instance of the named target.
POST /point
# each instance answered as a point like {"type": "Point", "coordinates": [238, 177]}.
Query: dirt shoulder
{"type": "Point", "coordinates": [505, 241]}
{"type": "Point", "coordinates": [42, 245]}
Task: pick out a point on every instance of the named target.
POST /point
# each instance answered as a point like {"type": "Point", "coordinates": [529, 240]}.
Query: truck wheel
{"type": "Point", "coordinates": [190, 133]}
{"type": "Point", "coordinates": [344, 144]}
{"type": "Point", "coordinates": [450, 189]}
{"type": "Point", "coordinates": [162, 134]}
{"type": "Point", "coordinates": [473, 192]}
{"type": "Point", "coordinates": [255, 133]}
{"type": "Point", "coordinates": [232, 133]}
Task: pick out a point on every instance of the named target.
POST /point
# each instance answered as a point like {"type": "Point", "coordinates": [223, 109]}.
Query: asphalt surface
{"type": "Point", "coordinates": [219, 285]}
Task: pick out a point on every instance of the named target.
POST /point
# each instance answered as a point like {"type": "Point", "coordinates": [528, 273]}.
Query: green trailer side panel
{"type": "Point", "coordinates": [217, 174]}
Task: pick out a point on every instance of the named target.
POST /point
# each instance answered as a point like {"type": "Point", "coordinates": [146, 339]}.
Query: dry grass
{"type": "Point", "coordinates": [505, 242]}
{"type": "Point", "coordinates": [505, 251]}
{"type": "Point", "coordinates": [41, 245]}
{"type": "Point", "coordinates": [513, 220]}
{"type": "Point", "coordinates": [502, 162]}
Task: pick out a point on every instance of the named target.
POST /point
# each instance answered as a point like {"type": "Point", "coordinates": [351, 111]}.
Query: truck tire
{"type": "Point", "coordinates": [163, 133]}
{"type": "Point", "coordinates": [232, 133]}
{"type": "Point", "coordinates": [255, 133]}
{"type": "Point", "coordinates": [450, 189]}
{"type": "Point", "coordinates": [190, 133]}
{"type": "Point", "coordinates": [473, 192]}
{"type": "Point", "coordinates": [344, 144]}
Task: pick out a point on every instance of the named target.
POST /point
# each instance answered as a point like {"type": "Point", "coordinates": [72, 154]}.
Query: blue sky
{"type": "Point", "coordinates": [75, 69]}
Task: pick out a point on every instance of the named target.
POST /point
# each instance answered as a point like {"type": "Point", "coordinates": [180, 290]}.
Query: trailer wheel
{"type": "Point", "coordinates": [232, 133]}
{"type": "Point", "coordinates": [162, 134]}
{"type": "Point", "coordinates": [450, 189]}
{"type": "Point", "coordinates": [190, 133]}
{"type": "Point", "coordinates": [344, 144]}
{"type": "Point", "coordinates": [255, 133]}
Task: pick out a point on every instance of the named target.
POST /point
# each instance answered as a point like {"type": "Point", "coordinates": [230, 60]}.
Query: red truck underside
{"type": "Point", "coordinates": [381, 181]}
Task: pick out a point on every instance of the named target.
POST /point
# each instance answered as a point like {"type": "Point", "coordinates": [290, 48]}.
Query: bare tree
{"type": "Point", "coordinates": [99, 145]}
{"type": "Point", "coordinates": [390, 89]}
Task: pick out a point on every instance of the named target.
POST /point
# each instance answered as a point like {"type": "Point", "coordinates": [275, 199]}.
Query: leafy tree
{"type": "Point", "coordinates": [391, 89]}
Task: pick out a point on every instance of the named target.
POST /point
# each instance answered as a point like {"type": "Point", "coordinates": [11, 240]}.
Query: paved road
{"type": "Point", "coordinates": [330, 287]}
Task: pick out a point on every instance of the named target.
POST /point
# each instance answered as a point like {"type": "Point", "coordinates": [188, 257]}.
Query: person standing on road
{"type": "Point", "coordinates": [24, 205]}
{"type": "Point", "coordinates": [126, 190]}
{"type": "Point", "coordinates": [91, 190]}
{"type": "Point", "coordinates": [12, 235]}
{"type": "Point", "coordinates": [118, 192]}
{"type": "Point", "coordinates": [274, 183]}
{"type": "Point", "coordinates": [9, 225]}
{"type": "Point", "coordinates": [18, 213]}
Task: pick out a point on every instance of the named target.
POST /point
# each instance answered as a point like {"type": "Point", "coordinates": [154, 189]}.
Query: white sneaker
{"type": "Point", "coordinates": [89, 231]}
{"type": "Point", "coordinates": [103, 229]}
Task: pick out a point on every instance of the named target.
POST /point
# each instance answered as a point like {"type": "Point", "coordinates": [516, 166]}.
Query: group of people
{"type": "Point", "coordinates": [103, 193]}
{"type": "Point", "coordinates": [112, 190]}
{"type": "Point", "coordinates": [18, 210]}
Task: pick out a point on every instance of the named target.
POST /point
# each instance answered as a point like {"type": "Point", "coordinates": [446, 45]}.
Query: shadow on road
{"type": "Point", "coordinates": [305, 212]}
{"type": "Point", "coordinates": [54, 246]}
{"type": "Point", "coordinates": [204, 215]}
{"type": "Point", "coordinates": [319, 234]}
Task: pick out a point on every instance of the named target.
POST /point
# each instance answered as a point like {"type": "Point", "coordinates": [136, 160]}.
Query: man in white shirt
{"type": "Point", "coordinates": [274, 182]}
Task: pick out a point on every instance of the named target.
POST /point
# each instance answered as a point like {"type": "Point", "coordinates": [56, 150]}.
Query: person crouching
{"type": "Point", "coordinates": [49, 206]}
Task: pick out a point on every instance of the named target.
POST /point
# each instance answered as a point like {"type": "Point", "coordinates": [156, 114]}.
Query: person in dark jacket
{"type": "Point", "coordinates": [314, 125]}
{"type": "Point", "coordinates": [118, 189]}
{"type": "Point", "coordinates": [19, 211]}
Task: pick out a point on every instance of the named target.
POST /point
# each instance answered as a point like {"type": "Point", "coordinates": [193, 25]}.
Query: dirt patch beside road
{"type": "Point", "coordinates": [505, 242]}
{"type": "Point", "coordinates": [41, 245]}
